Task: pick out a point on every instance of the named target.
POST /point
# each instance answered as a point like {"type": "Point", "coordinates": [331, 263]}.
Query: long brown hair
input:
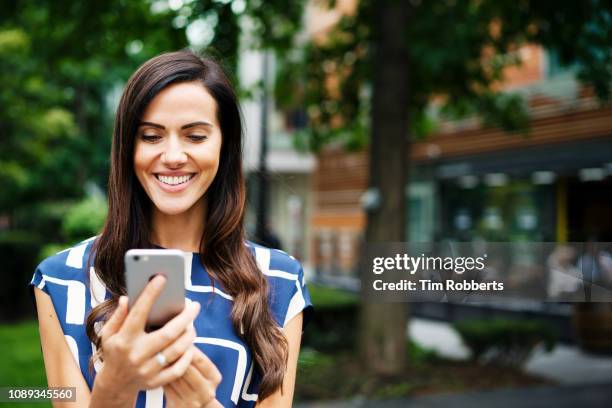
{"type": "Point", "coordinates": [222, 246]}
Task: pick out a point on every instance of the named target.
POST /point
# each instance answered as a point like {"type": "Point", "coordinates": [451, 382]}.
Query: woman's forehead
{"type": "Point", "coordinates": [180, 104]}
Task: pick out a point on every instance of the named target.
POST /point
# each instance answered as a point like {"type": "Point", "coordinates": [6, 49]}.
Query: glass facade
{"type": "Point", "coordinates": [513, 210]}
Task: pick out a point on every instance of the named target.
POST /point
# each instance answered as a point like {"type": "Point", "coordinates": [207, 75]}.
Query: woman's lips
{"type": "Point", "coordinates": [176, 188]}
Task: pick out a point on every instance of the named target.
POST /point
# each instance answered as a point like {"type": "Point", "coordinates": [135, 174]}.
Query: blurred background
{"type": "Point", "coordinates": [365, 121]}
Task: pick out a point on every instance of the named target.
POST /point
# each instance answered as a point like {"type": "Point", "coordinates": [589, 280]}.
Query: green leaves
{"type": "Point", "coordinates": [84, 219]}
{"type": "Point", "coordinates": [13, 41]}
{"type": "Point", "coordinates": [458, 51]}
{"type": "Point", "coordinates": [503, 341]}
{"type": "Point", "coordinates": [58, 61]}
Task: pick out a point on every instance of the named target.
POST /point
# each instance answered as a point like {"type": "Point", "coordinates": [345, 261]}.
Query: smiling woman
{"type": "Point", "coordinates": [178, 144]}
{"type": "Point", "coordinates": [175, 182]}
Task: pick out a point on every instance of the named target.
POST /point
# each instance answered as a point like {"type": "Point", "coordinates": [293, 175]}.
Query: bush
{"type": "Point", "coordinates": [41, 230]}
{"type": "Point", "coordinates": [419, 355]}
{"type": "Point", "coordinates": [43, 217]}
{"type": "Point", "coordinates": [335, 322]}
{"type": "Point", "coordinates": [84, 219]}
{"type": "Point", "coordinates": [18, 250]}
{"type": "Point", "coordinates": [324, 296]}
{"type": "Point", "coordinates": [50, 250]}
{"type": "Point", "coordinates": [504, 341]}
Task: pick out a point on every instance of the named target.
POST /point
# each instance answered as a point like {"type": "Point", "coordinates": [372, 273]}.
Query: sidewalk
{"type": "Point", "coordinates": [582, 396]}
{"type": "Point", "coordinates": [586, 380]}
{"type": "Point", "coordinates": [567, 365]}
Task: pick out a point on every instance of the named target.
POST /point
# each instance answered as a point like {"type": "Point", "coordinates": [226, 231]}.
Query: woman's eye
{"type": "Point", "coordinates": [198, 138]}
{"type": "Point", "coordinates": [150, 138]}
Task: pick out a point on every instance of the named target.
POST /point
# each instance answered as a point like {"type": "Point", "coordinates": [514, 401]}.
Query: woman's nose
{"type": "Point", "coordinates": [174, 154]}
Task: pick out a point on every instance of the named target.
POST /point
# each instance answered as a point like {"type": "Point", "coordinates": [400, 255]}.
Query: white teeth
{"type": "Point", "coordinates": [174, 180]}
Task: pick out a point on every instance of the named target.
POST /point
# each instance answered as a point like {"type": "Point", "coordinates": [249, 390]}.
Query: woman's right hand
{"type": "Point", "coordinates": [130, 353]}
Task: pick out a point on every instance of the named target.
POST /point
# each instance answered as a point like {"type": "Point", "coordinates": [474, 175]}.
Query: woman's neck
{"type": "Point", "coordinates": [181, 231]}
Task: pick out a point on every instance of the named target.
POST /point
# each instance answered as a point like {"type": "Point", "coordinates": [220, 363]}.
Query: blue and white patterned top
{"type": "Point", "coordinates": [64, 278]}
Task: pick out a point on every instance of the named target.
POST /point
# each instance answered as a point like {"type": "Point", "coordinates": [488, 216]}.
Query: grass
{"type": "Point", "coordinates": [21, 356]}
{"type": "Point", "coordinates": [322, 296]}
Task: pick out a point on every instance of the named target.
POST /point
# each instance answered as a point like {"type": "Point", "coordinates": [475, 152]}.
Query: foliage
{"type": "Point", "coordinates": [325, 296]}
{"type": "Point", "coordinates": [62, 67]}
{"type": "Point", "coordinates": [332, 327]}
{"type": "Point", "coordinates": [341, 375]}
{"type": "Point", "coordinates": [19, 249]}
{"type": "Point", "coordinates": [419, 355]}
{"type": "Point", "coordinates": [60, 60]}
{"type": "Point", "coordinates": [44, 229]}
{"type": "Point", "coordinates": [403, 57]}
{"type": "Point", "coordinates": [50, 250]}
{"type": "Point", "coordinates": [458, 51]}
{"type": "Point", "coordinates": [84, 219]}
{"type": "Point", "coordinates": [503, 341]}
{"type": "Point", "coordinates": [62, 64]}
{"type": "Point", "coordinates": [332, 330]}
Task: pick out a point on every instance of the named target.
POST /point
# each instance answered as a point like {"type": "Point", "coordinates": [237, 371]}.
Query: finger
{"type": "Point", "coordinates": [163, 337]}
{"type": "Point", "coordinates": [173, 372]}
{"type": "Point", "coordinates": [206, 367]}
{"type": "Point", "coordinates": [113, 324]}
{"type": "Point", "coordinates": [173, 398]}
{"type": "Point", "coordinates": [203, 388]}
{"type": "Point", "coordinates": [175, 350]}
{"type": "Point", "coordinates": [183, 388]}
{"type": "Point", "coordinates": [213, 404]}
{"type": "Point", "coordinates": [172, 352]}
{"type": "Point", "coordinates": [137, 317]}
{"type": "Point", "coordinates": [193, 378]}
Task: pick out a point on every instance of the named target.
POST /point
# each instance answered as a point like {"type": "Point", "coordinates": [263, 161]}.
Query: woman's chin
{"type": "Point", "coordinates": [172, 210]}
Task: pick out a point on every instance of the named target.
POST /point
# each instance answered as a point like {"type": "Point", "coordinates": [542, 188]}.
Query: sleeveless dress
{"type": "Point", "coordinates": [75, 291]}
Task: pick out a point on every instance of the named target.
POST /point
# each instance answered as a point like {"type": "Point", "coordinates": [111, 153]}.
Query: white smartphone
{"type": "Point", "coordinates": [142, 265]}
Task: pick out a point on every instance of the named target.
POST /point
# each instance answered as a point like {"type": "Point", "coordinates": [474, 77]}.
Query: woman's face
{"type": "Point", "coordinates": [177, 148]}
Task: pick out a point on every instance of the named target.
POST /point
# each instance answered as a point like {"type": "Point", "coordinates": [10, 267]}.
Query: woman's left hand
{"type": "Point", "coordinates": [197, 387]}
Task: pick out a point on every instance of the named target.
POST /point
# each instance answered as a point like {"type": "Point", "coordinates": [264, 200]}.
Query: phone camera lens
{"type": "Point", "coordinates": [136, 258]}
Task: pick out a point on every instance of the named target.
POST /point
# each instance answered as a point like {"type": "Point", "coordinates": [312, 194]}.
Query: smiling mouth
{"type": "Point", "coordinates": [174, 181]}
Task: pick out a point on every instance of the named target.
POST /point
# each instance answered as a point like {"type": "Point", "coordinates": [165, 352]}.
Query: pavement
{"type": "Point", "coordinates": [567, 365]}
{"type": "Point", "coordinates": [581, 396]}
{"type": "Point", "coordinates": [585, 380]}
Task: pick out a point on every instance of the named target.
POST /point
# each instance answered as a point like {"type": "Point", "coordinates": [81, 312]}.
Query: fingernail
{"type": "Point", "coordinates": [159, 280]}
{"type": "Point", "coordinates": [122, 300]}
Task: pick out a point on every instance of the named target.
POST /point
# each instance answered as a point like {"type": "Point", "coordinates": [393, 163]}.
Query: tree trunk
{"type": "Point", "coordinates": [383, 325]}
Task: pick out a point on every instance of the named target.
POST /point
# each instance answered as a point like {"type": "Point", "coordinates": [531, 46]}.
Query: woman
{"type": "Point", "coordinates": [175, 182]}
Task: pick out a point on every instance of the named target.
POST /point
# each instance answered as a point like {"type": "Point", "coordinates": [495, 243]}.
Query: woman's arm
{"type": "Point", "coordinates": [61, 368]}
{"type": "Point", "coordinates": [293, 333]}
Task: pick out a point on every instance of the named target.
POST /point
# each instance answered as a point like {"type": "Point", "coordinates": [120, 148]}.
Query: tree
{"type": "Point", "coordinates": [407, 53]}
{"type": "Point", "coordinates": [62, 67]}
{"type": "Point", "coordinates": [62, 63]}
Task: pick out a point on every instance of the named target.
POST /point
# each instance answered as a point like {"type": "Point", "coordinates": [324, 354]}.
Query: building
{"type": "Point", "coordinates": [553, 183]}
{"type": "Point", "coordinates": [290, 198]}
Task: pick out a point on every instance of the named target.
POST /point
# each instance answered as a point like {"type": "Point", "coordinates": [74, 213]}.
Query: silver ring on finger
{"type": "Point", "coordinates": [161, 359]}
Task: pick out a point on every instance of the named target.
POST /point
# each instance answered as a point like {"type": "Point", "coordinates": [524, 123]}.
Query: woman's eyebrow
{"type": "Point", "coordinates": [188, 125]}
{"type": "Point", "coordinates": [199, 123]}
{"type": "Point", "coordinates": [155, 125]}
